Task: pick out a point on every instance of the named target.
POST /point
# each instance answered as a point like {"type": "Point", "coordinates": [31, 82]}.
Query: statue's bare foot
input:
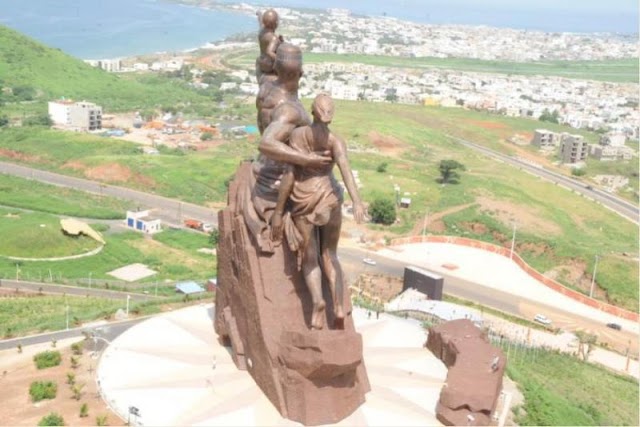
{"type": "Point", "coordinates": [317, 321]}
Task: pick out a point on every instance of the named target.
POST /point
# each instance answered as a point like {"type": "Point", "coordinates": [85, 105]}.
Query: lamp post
{"type": "Point", "coordinates": [593, 278]}
{"type": "Point", "coordinates": [424, 224]}
{"type": "Point", "coordinates": [128, 298]}
{"type": "Point", "coordinates": [67, 318]}
{"type": "Point", "coordinates": [513, 240]}
{"type": "Point", "coordinates": [90, 274]}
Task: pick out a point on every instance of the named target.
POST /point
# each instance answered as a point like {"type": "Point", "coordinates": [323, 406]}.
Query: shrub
{"type": "Point", "coordinates": [76, 348]}
{"type": "Point", "coordinates": [382, 167]}
{"type": "Point", "coordinates": [71, 378]}
{"type": "Point", "coordinates": [74, 362]}
{"type": "Point", "coordinates": [84, 410]}
{"type": "Point", "coordinates": [40, 390]}
{"type": "Point", "coordinates": [101, 420]}
{"type": "Point", "coordinates": [382, 211]}
{"type": "Point", "coordinates": [53, 419]}
{"type": "Point", "coordinates": [47, 359]}
{"type": "Point", "coordinates": [206, 136]}
{"type": "Point", "coordinates": [76, 389]}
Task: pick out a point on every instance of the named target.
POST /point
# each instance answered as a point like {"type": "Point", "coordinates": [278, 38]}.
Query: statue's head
{"type": "Point", "coordinates": [323, 108]}
{"type": "Point", "coordinates": [270, 19]}
{"type": "Point", "coordinates": [288, 65]}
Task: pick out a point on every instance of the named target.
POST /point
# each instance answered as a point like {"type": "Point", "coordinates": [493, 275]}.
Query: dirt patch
{"type": "Point", "coordinates": [18, 155]}
{"type": "Point", "coordinates": [115, 172]}
{"type": "Point", "coordinates": [488, 125]}
{"type": "Point", "coordinates": [434, 221]}
{"type": "Point", "coordinates": [527, 218]}
{"type": "Point", "coordinates": [474, 227]}
{"type": "Point", "coordinates": [385, 288]}
{"type": "Point", "coordinates": [536, 249]}
{"type": "Point", "coordinates": [19, 372]}
{"type": "Point", "coordinates": [574, 272]}
{"type": "Point", "coordinates": [74, 165]}
{"type": "Point", "coordinates": [387, 144]}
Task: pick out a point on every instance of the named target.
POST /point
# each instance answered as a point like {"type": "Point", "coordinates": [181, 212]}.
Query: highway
{"type": "Point", "coordinates": [626, 209]}
{"type": "Point", "coordinates": [170, 210]}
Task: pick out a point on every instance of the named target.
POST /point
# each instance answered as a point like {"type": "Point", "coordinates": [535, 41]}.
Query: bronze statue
{"type": "Point", "coordinates": [316, 202]}
{"type": "Point", "coordinates": [279, 113]}
{"type": "Point", "coordinates": [268, 41]}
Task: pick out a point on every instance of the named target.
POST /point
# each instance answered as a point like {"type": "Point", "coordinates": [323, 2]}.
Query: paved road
{"type": "Point", "coordinates": [170, 210]}
{"type": "Point", "coordinates": [108, 331]}
{"type": "Point", "coordinates": [621, 206]}
{"type": "Point", "coordinates": [53, 288]}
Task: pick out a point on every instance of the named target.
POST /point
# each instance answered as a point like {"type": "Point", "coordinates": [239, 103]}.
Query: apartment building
{"type": "Point", "coordinates": [573, 148]}
{"type": "Point", "coordinates": [546, 139]}
{"type": "Point", "coordinates": [79, 115]}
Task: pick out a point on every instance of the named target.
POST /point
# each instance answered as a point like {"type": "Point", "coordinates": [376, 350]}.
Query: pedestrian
{"type": "Point", "coordinates": [377, 314]}
{"type": "Point", "coordinates": [369, 314]}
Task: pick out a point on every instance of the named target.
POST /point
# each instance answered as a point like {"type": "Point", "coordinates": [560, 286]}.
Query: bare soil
{"type": "Point", "coordinates": [19, 371]}
{"type": "Point", "coordinates": [527, 218]}
{"type": "Point", "coordinates": [384, 287]}
{"type": "Point", "coordinates": [389, 145]}
{"type": "Point", "coordinates": [17, 155]}
{"type": "Point", "coordinates": [114, 172]}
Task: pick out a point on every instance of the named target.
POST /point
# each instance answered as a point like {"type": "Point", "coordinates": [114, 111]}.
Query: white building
{"type": "Point", "coordinates": [81, 115]}
{"type": "Point", "coordinates": [110, 65]}
{"type": "Point", "coordinates": [142, 221]}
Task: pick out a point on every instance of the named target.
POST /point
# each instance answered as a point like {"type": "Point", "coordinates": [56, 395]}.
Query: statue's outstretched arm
{"type": "Point", "coordinates": [339, 149]}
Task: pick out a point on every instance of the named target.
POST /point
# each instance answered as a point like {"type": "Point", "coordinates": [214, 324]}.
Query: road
{"type": "Point", "coordinates": [170, 210]}
{"type": "Point", "coordinates": [107, 331]}
{"type": "Point", "coordinates": [53, 288]}
{"type": "Point", "coordinates": [353, 256]}
{"type": "Point", "coordinates": [624, 208]}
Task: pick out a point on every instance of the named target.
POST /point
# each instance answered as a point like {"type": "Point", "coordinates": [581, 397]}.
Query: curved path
{"type": "Point", "coordinates": [64, 258]}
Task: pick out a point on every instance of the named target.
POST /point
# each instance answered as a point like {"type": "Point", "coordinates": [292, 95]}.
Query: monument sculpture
{"type": "Point", "coordinates": [474, 380]}
{"type": "Point", "coordinates": [284, 314]}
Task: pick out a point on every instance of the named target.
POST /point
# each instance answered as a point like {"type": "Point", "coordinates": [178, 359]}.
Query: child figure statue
{"type": "Point", "coordinates": [268, 41]}
{"type": "Point", "coordinates": [315, 202]}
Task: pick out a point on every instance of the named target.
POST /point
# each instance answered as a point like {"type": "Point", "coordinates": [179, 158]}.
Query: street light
{"type": "Point", "coordinates": [128, 298]}
{"type": "Point", "coordinates": [593, 278]}
{"type": "Point", "coordinates": [90, 274]}
{"type": "Point", "coordinates": [67, 318]}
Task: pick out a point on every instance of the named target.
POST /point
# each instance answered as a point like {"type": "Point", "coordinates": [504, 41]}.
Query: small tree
{"type": "Point", "coordinates": [84, 410]}
{"type": "Point", "coordinates": [53, 419]}
{"type": "Point", "coordinates": [76, 389]}
{"type": "Point", "coordinates": [71, 378]}
{"type": "Point", "coordinates": [214, 237]}
{"type": "Point", "coordinates": [448, 173]}
{"type": "Point", "coordinates": [76, 348]}
{"type": "Point", "coordinates": [382, 167]}
{"type": "Point", "coordinates": [586, 342]}
{"type": "Point", "coordinates": [382, 211]}
{"type": "Point", "coordinates": [4, 121]}
{"type": "Point", "coordinates": [74, 362]}
{"type": "Point", "coordinates": [101, 420]}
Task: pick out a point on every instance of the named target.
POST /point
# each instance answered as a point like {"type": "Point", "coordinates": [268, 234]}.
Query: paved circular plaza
{"type": "Point", "coordinates": [174, 371]}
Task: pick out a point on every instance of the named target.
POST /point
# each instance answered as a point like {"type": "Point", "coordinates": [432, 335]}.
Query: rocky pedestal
{"type": "Point", "coordinates": [474, 380]}
{"type": "Point", "coordinates": [263, 311]}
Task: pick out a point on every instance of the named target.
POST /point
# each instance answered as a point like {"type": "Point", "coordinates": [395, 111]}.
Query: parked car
{"type": "Point", "coordinates": [369, 261]}
{"type": "Point", "coordinates": [541, 318]}
{"type": "Point", "coordinates": [615, 326]}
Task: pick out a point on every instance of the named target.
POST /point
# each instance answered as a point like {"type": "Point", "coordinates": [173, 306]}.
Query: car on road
{"type": "Point", "coordinates": [369, 261]}
{"type": "Point", "coordinates": [615, 326]}
{"type": "Point", "coordinates": [541, 318]}
{"type": "Point", "coordinates": [588, 187]}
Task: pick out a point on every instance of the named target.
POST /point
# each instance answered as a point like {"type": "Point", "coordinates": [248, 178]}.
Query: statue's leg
{"type": "Point", "coordinates": [311, 270]}
{"type": "Point", "coordinates": [329, 238]}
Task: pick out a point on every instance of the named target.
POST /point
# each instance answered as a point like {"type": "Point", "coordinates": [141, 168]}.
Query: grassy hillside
{"type": "Point", "coordinates": [559, 231]}
{"type": "Point", "coordinates": [50, 74]}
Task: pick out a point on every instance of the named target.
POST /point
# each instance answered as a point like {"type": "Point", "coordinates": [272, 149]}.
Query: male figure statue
{"type": "Point", "coordinates": [268, 41]}
{"type": "Point", "coordinates": [316, 202]}
{"type": "Point", "coordinates": [279, 113]}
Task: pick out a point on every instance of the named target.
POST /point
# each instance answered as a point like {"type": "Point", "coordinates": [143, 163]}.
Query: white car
{"type": "Point", "coordinates": [541, 318]}
{"type": "Point", "coordinates": [369, 261]}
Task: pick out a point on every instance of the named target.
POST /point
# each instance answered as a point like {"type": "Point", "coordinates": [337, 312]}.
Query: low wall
{"type": "Point", "coordinates": [575, 295]}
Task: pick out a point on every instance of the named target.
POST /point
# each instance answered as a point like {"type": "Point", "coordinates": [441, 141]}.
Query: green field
{"type": "Point", "coordinates": [620, 70]}
{"type": "Point", "coordinates": [27, 194]}
{"type": "Point", "coordinates": [38, 235]}
{"type": "Point", "coordinates": [556, 227]}
{"type": "Point", "coordinates": [561, 390]}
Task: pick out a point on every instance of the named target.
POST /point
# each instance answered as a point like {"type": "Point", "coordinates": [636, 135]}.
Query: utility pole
{"type": "Point", "coordinates": [67, 318]}
{"type": "Point", "coordinates": [593, 278]}
{"type": "Point", "coordinates": [513, 240]}
{"type": "Point", "coordinates": [424, 224]}
{"type": "Point", "coordinates": [128, 298]}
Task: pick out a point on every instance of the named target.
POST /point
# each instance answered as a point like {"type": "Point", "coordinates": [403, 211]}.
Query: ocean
{"type": "Point", "coordinates": [115, 28]}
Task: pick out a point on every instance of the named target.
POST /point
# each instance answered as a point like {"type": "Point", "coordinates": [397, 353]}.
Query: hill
{"type": "Point", "coordinates": [35, 71]}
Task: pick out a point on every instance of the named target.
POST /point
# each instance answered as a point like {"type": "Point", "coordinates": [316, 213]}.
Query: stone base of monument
{"type": "Point", "coordinates": [174, 370]}
{"type": "Point", "coordinates": [311, 376]}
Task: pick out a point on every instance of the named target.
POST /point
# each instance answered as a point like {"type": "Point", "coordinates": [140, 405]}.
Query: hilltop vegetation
{"type": "Point", "coordinates": [34, 71]}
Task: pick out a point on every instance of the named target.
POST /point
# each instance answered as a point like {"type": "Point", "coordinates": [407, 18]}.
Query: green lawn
{"type": "Point", "coordinates": [38, 235]}
{"type": "Point", "coordinates": [621, 70]}
{"type": "Point", "coordinates": [28, 194]}
{"type": "Point", "coordinates": [561, 390]}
